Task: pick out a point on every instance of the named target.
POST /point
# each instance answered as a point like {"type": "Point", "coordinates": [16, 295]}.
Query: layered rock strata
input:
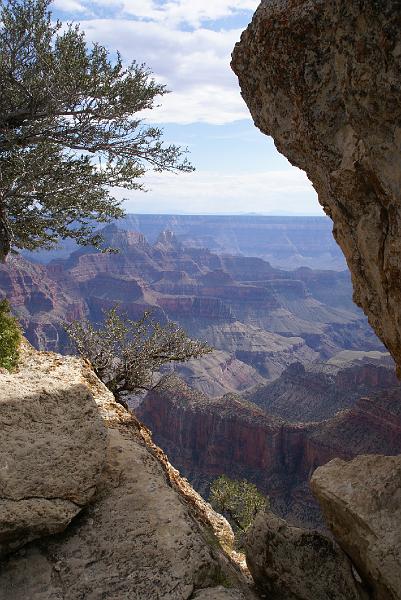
{"type": "Point", "coordinates": [207, 437]}
{"type": "Point", "coordinates": [144, 532]}
{"type": "Point", "coordinates": [324, 80]}
{"type": "Point", "coordinates": [321, 390]}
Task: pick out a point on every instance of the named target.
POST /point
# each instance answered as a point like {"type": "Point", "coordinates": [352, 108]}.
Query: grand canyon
{"type": "Point", "coordinates": [297, 395]}
{"type": "Point", "coordinates": [297, 376]}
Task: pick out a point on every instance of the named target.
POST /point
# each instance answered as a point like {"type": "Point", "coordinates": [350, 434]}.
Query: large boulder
{"type": "Point", "coordinates": [289, 563]}
{"type": "Point", "coordinates": [324, 80]}
{"type": "Point", "coordinates": [361, 501]}
{"type": "Point", "coordinates": [52, 450]}
{"type": "Point", "coordinates": [146, 534]}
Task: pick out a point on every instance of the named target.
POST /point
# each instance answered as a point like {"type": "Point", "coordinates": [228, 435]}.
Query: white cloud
{"type": "Point", "coordinates": [193, 64]}
{"type": "Point", "coordinates": [69, 6]}
{"type": "Point", "coordinates": [186, 47]}
{"type": "Point", "coordinates": [178, 12]}
{"type": "Point", "coordinates": [171, 37]}
{"type": "Point", "coordinates": [209, 192]}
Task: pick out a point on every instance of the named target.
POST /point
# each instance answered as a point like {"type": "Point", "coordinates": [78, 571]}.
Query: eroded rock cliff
{"type": "Point", "coordinates": [324, 80]}
{"type": "Point", "coordinates": [205, 437]}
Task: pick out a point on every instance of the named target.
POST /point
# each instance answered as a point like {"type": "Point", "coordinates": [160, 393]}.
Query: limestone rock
{"type": "Point", "coordinates": [146, 534]}
{"type": "Point", "coordinates": [289, 563]}
{"type": "Point", "coordinates": [52, 450]}
{"type": "Point", "coordinates": [324, 80]}
{"type": "Point", "coordinates": [361, 501]}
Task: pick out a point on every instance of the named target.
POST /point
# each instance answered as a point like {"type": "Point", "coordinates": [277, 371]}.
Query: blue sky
{"type": "Point", "coordinates": [187, 45]}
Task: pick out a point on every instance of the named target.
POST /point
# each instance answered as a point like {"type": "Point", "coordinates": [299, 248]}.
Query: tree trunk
{"type": "Point", "coordinates": [5, 233]}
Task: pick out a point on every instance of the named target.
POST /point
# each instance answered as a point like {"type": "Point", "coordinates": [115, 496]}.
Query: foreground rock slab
{"type": "Point", "coordinates": [289, 563]}
{"type": "Point", "coordinates": [145, 534]}
{"type": "Point", "coordinates": [361, 501]}
{"type": "Point", "coordinates": [324, 80]}
{"type": "Point", "coordinates": [52, 449]}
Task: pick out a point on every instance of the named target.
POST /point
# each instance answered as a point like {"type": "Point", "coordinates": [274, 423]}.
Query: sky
{"type": "Point", "coordinates": [187, 45]}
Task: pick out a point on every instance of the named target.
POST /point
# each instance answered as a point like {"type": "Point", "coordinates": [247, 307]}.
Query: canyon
{"type": "Point", "coordinates": [207, 437]}
{"type": "Point", "coordinates": [259, 318]}
{"type": "Point", "coordinates": [323, 79]}
{"type": "Point", "coordinates": [291, 350]}
{"type": "Point", "coordinates": [299, 388]}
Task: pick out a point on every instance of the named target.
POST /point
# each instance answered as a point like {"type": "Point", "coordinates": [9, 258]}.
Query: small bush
{"type": "Point", "coordinates": [126, 354]}
{"type": "Point", "coordinates": [10, 337]}
{"type": "Point", "coordinates": [238, 501]}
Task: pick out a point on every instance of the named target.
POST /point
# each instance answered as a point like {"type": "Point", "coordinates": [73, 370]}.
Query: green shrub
{"type": "Point", "coordinates": [238, 501]}
{"type": "Point", "coordinates": [10, 337]}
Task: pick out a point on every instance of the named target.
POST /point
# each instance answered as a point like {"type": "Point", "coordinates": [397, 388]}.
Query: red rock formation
{"type": "Point", "coordinates": [206, 438]}
{"type": "Point", "coordinates": [200, 290]}
{"type": "Point", "coordinates": [41, 303]}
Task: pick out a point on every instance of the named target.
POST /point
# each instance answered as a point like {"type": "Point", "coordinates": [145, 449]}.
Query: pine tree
{"type": "Point", "coordinates": [70, 129]}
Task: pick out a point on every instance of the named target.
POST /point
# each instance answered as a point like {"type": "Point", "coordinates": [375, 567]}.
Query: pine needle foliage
{"type": "Point", "coordinates": [239, 501]}
{"type": "Point", "coordinates": [10, 337]}
{"type": "Point", "coordinates": [126, 354]}
{"type": "Point", "coordinates": [70, 129]}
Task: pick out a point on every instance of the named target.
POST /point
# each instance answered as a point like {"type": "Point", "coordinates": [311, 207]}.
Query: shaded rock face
{"type": "Point", "coordinates": [207, 437]}
{"type": "Point", "coordinates": [319, 391]}
{"type": "Point", "coordinates": [296, 564]}
{"type": "Point", "coordinates": [324, 80]}
{"type": "Point", "coordinates": [144, 534]}
{"type": "Point", "coordinates": [52, 449]}
{"type": "Point", "coordinates": [361, 501]}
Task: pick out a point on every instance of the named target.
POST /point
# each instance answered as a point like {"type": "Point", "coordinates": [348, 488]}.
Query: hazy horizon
{"type": "Point", "coordinates": [228, 214]}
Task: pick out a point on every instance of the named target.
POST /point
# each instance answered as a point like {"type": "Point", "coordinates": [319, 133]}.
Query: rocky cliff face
{"type": "Point", "coordinates": [207, 437]}
{"type": "Point", "coordinates": [324, 80]}
{"type": "Point", "coordinates": [124, 524]}
{"type": "Point", "coordinates": [360, 500]}
{"type": "Point", "coordinates": [295, 564]}
{"type": "Point", "coordinates": [318, 391]}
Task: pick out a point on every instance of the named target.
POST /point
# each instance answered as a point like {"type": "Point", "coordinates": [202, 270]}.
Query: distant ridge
{"type": "Point", "coordinates": [285, 241]}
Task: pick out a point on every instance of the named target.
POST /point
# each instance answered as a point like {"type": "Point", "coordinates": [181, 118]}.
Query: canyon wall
{"type": "Point", "coordinates": [207, 437]}
{"type": "Point", "coordinates": [324, 80]}
{"type": "Point", "coordinates": [263, 318]}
